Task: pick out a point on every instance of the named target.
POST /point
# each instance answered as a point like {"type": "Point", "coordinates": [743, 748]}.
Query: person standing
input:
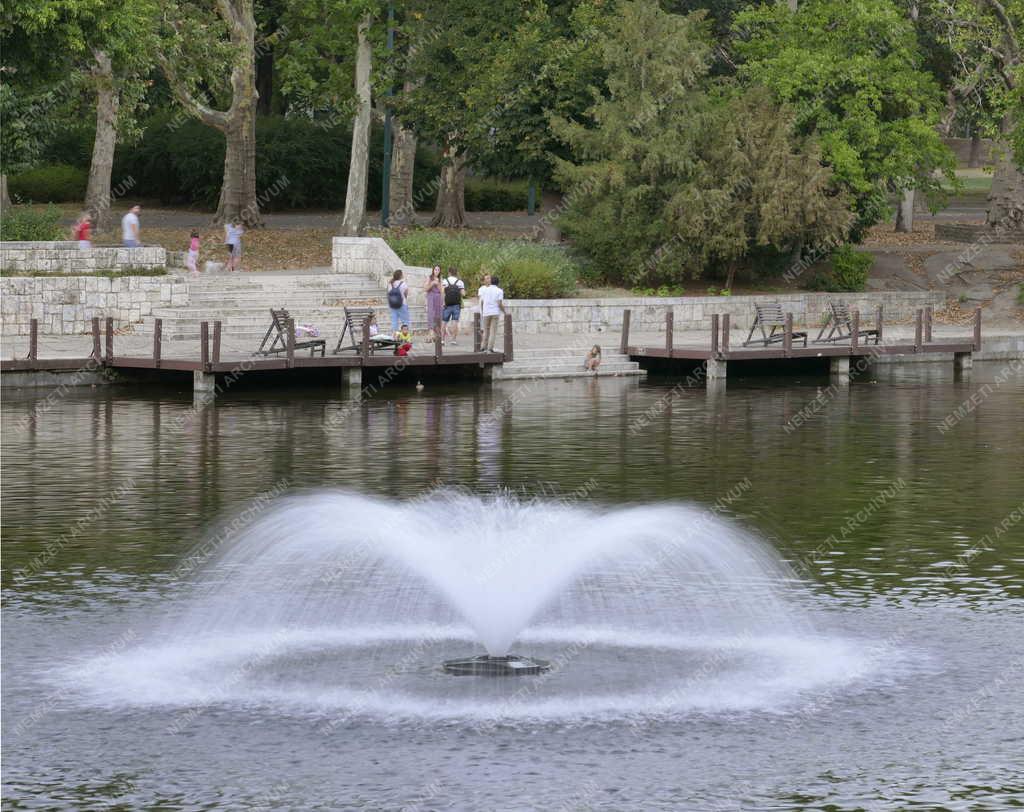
{"type": "Point", "coordinates": [130, 227]}
{"type": "Point", "coordinates": [233, 232]}
{"type": "Point", "coordinates": [435, 299]}
{"type": "Point", "coordinates": [398, 304]}
{"type": "Point", "coordinates": [454, 290]}
{"type": "Point", "coordinates": [193, 253]}
{"type": "Point", "coordinates": [81, 231]}
{"type": "Point", "coordinates": [492, 305]}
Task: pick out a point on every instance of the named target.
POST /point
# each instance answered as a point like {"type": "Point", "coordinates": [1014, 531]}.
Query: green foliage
{"type": "Point", "coordinates": [848, 272]}
{"type": "Point", "coordinates": [494, 194]}
{"type": "Point", "coordinates": [664, 291]}
{"type": "Point", "coordinates": [24, 223]}
{"type": "Point", "coordinates": [49, 184]}
{"type": "Point", "coordinates": [678, 175]}
{"type": "Point", "coordinates": [181, 161]}
{"type": "Point", "coordinates": [526, 270]}
{"type": "Point", "coordinates": [851, 73]}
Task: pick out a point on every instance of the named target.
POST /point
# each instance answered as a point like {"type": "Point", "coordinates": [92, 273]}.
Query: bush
{"type": "Point", "coordinates": [57, 183]}
{"type": "Point", "coordinates": [181, 162]}
{"type": "Point", "coordinates": [525, 270]}
{"type": "Point", "coordinates": [848, 272]}
{"type": "Point", "coordinates": [27, 224]}
{"type": "Point", "coordinates": [494, 194]}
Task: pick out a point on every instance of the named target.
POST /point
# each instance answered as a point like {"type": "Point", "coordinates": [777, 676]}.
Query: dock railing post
{"type": "Point", "coordinates": [204, 345]}
{"type": "Point", "coordinates": [918, 330]}
{"type": "Point", "coordinates": [216, 342]}
{"type": "Point", "coordinates": [627, 315]}
{"type": "Point", "coordinates": [290, 327]}
{"type": "Point", "coordinates": [438, 344]}
{"type": "Point", "coordinates": [855, 329]}
{"type": "Point", "coordinates": [158, 338]}
{"type": "Point", "coordinates": [714, 332]}
{"type": "Point", "coordinates": [33, 339]}
{"type": "Point", "coordinates": [509, 349]}
{"type": "Point", "coordinates": [110, 340]}
{"type": "Point", "coordinates": [725, 332]}
{"type": "Point", "coordinates": [364, 349]}
{"type": "Point", "coordinates": [878, 323]}
{"type": "Point", "coordinates": [928, 325]}
{"type": "Point", "coordinates": [669, 324]}
{"type": "Point", "coordinates": [977, 329]}
{"type": "Point", "coordinates": [476, 332]}
{"type": "Point", "coordinates": [96, 352]}
{"type": "Point", "coordinates": [787, 336]}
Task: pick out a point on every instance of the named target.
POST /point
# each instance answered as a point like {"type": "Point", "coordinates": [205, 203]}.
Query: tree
{"type": "Point", "coordinates": [852, 74]}
{"type": "Point", "coordinates": [354, 219]}
{"type": "Point", "coordinates": [677, 175]}
{"type": "Point", "coordinates": [197, 46]}
{"type": "Point", "coordinates": [984, 35]}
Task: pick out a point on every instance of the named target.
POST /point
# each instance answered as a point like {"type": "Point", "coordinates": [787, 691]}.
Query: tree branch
{"type": "Point", "coordinates": [209, 116]}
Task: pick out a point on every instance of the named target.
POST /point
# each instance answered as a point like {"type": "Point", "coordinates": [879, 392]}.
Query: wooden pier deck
{"type": "Point", "coordinates": [211, 361]}
{"type": "Point", "coordinates": [719, 350]}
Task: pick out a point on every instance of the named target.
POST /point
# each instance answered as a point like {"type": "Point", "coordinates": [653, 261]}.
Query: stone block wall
{"type": "Point", "coordinates": [372, 257]}
{"type": "Point", "coordinates": [566, 316]}
{"type": "Point", "coordinates": [67, 257]}
{"type": "Point", "coordinates": [66, 305]}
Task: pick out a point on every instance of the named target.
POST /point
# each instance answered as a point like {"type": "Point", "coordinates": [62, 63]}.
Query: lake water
{"type": "Point", "coordinates": [847, 631]}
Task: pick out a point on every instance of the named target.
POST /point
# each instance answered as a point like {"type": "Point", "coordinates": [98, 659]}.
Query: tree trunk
{"type": "Point", "coordinates": [731, 276]}
{"type": "Point", "coordinates": [450, 211]}
{"type": "Point", "coordinates": [1006, 198]}
{"type": "Point", "coordinates": [5, 197]}
{"type": "Point", "coordinates": [359, 162]}
{"type": "Point", "coordinates": [905, 212]}
{"type": "Point", "coordinates": [403, 161]}
{"type": "Point", "coordinates": [238, 123]}
{"type": "Point", "coordinates": [108, 101]}
{"type": "Point", "coordinates": [974, 159]}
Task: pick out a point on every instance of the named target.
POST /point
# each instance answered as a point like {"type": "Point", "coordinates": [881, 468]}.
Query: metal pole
{"type": "Point", "coordinates": [385, 202]}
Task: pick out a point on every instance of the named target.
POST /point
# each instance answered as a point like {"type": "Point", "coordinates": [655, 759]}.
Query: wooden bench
{"type": "Point", "coordinates": [770, 316]}
{"type": "Point", "coordinates": [840, 326]}
{"type": "Point", "coordinates": [278, 329]}
{"type": "Point", "coordinates": [355, 319]}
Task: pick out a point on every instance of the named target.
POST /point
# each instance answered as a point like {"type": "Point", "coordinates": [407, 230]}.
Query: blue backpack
{"type": "Point", "coordinates": [395, 297]}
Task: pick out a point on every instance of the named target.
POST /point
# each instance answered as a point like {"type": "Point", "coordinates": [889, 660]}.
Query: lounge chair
{"type": "Point", "coordinates": [355, 318]}
{"type": "Point", "coordinates": [278, 329]}
{"type": "Point", "coordinates": [840, 326]}
{"type": "Point", "coordinates": [770, 315]}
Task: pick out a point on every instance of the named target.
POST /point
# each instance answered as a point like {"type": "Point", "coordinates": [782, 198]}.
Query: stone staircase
{"type": "Point", "coordinates": [564, 363]}
{"type": "Point", "coordinates": [242, 303]}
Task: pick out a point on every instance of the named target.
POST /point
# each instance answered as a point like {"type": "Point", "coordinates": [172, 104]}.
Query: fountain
{"type": "Point", "coordinates": [336, 601]}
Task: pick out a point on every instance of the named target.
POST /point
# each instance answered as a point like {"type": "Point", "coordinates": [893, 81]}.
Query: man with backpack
{"type": "Point", "coordinates": [454, 289]}
{"type": "Point", "coordinates": [398, 294]}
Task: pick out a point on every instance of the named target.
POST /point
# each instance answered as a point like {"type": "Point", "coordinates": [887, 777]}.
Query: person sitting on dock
{"type": "Point", "coordinates": [592, 360]}
{"type": "Point", "coordinates": [403, 339]}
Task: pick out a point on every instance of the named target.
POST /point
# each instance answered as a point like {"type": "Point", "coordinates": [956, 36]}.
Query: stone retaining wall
{"type": "Point", "coordinates": [67, 257]}
{"type": "Point", "coordinates": [979, 233]}
{"type": "Point", "coordinates": [66, 305]}
{"type": "Point", "coordinates": [565, 316]}
{"type": "Point", "coordinates": [372, 256]}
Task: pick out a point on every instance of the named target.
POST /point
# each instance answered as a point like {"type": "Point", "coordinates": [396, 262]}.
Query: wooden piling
{"type": "Point", "coordinates": [918, 330]}
{"type": "Point", "coordinates": [669, 324]}
{"type": "Point", "coordinates": [928, 325]}
{"type": "Point", "coordinates": [477, 338]}
{"type": "Point", "coordinates": [509, 349]}
{"type": "Point", "coordinates": [854, 328]}
{"type": "Point", "coordinates": [725, 332]}
{"type": "Point", "coordinates": [290, 326]}
{"type": "Point", "coordinates": [627, 315]}
{"type": "Point", "coordinates": [33, 339]}
{"type": "Point", "coordinates": [714, 332]}
{"type": "Point", "coordinates": [110, 339]}
{"type": "Point", "coordinates": [787, 336]}
{"type": "Point", "coordinates": [216, 342]}
{"type": "Point", "coordinates": [158, 340]}
{"type": "Point", "coordinates": [96, 352]}
{"type": "Point", "coordinates": [977, 329]}
{"type": "Point", "coordinates": [204, 345]}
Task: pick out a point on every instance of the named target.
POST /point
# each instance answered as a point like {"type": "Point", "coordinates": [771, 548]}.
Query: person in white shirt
{"type": "Point", "coordinates": [492, 305]}
{"type": "Point", "coordinates": [130, 228]}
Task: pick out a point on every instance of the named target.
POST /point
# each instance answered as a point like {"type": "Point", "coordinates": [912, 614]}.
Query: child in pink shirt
{"type": "Point", "coordinates": [193, 253]}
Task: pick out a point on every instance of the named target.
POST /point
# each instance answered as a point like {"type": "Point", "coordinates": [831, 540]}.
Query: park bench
{"type": "Point", "coordinates": [840, 326]}
{"type": "Point", "coordinates": [355, 318]}
{"type": "Point", "coordinates": [770, 316]}
{"type": "Point", "coordinates": [278, 329]}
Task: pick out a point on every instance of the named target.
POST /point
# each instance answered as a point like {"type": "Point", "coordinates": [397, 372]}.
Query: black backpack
{"type": "Point", "coordinates": [453, 293]}
{"type": "Point", "coordinates": [395, 297]}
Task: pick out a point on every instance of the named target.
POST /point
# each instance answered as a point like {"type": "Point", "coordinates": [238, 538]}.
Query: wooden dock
{"type": "Point", "coordinates": [718, 352]}
{"type": "Point", "coordinates": [211, 362]}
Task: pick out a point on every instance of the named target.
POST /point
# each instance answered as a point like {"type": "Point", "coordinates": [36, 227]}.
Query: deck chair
{"type": "Point", "coordinates": [770, 315]}
{"type": "Point", "coordinates": [355, 318]}
{"type": "Point", "coordinates": [840, 326]}
{"type": "Point", "coordinates": [277, 335]}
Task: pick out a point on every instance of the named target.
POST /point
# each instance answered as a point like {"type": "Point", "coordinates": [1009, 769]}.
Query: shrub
{"type": "Point", "coordinates": [56, 183]}
{"type": "Point", "coordinates": [27, 224]}
{"type": "Point", "coordinates": [525, 270]}
{"type": "Point", "coordinates": [181, 161]}
{"type": "Point", "coordinates": [494, 194]}
{"type": "Point", "coordinates": [848, 271]}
